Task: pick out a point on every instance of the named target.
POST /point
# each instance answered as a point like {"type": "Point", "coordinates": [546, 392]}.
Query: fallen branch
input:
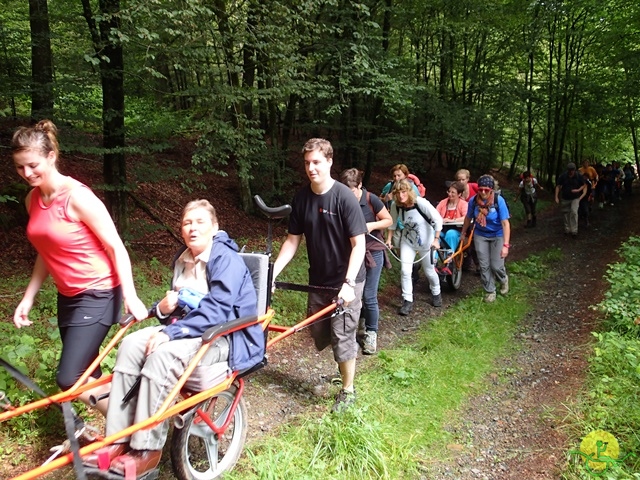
{"type": "Point", "coordinates": [146, 208]}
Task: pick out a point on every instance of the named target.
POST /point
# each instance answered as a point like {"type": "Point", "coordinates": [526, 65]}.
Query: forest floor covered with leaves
{"type": "Point", "coordinates": [514, 430]}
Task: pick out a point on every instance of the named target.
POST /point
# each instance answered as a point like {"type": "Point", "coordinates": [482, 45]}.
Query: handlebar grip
{"type": "Point", "coordinates": [126, 319]}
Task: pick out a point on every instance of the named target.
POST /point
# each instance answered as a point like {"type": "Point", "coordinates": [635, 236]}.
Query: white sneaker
{"type": "Point", "coordinates": [370, 342]}
{"type": "Point", "coordinates": [490, 297]}
{"type": "Point", "coordinates": [504, 288]}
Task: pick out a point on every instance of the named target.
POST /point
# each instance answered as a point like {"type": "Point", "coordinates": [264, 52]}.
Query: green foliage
{"type": "Point", "coordinates": [145, 120]}
{"type": "Point", "coordinates": [611, 402]}
{"type": "Point", "coordinates": [349, 445]}
{"type": "Point", "coordinates": [621, 304]}
{"type": "Point", "coordinates": [291, 306]}
{"type": "Point", "coordinates": [346, 446]}
{"type": "Point", "coordinates": [535, 266]}
{"type": "Point", "coordinates": [222, 143]}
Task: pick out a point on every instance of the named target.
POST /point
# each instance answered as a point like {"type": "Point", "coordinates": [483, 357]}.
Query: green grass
{"type": "Point", "coordinates": [406, 396]}
{"type": "Point", "coordinates": [611, 401]}
{"type": "Point", "coordinates": [35, 349]}
{"type": "Point", "coordinates": [291, 306]}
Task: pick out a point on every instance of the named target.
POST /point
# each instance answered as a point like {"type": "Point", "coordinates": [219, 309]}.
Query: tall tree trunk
{"type": "Point", "coordinates": [112, 79]}
{"type": "Point", "coordinates": [378, 102]}
{"type": "Point", "coordinates": [529, 88]}
{"type": "Point", "coordinates": [8, 69]}
{"type": "Point", "coordinates": [41, 61]}
{"type": "Point", "coordinates": [233, 78]}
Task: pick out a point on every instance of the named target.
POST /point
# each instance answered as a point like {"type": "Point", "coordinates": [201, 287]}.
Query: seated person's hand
{"type": "Point", "coordinates": [155, 341]}
{"type": "Point", "coordinates": [347, 294]}
{"type": "Point", "coordinates": [169, 303]}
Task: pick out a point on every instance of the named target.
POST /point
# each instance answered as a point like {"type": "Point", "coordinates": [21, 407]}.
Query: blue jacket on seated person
{"type": "Point", "coordinates": [231, 295]}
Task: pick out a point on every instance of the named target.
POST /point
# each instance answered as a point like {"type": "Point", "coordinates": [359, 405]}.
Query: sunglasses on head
{"type": "Point", "coordinates": [485, 189]}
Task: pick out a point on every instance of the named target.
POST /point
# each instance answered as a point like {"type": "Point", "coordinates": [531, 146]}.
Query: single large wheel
{"type": "Point", "coordinates": [455, 279]}
{"type": "Point", "coordinates": [197, 452]}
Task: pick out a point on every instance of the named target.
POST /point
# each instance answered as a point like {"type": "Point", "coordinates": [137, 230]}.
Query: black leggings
{"type": "Point", "coordinates": [529, 204]}
{"type": "Point", "coordinates": [84, 321]}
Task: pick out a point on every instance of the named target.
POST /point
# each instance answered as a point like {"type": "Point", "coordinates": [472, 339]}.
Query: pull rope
{"type": "Point", "coordinates": [390, 250]}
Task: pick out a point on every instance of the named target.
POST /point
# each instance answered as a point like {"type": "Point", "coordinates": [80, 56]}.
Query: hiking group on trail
{"type": "Point", "coordinates": [350, 235]}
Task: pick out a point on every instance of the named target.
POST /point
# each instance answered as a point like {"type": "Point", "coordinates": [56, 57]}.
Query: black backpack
{"type": "Point", "coordinates": [424, 215]}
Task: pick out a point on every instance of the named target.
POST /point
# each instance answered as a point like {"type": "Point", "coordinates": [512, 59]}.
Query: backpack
{"type": "Point", "coordinates": [387, 260]}
{"type": "Point", "coordinates": [397, 233]}
{"type": "Point", "coordinates": [496, 204]}
{"type": "Point", "coordinates": [424, 215]}
{"type": "Point", "coordinates": [421, 188]}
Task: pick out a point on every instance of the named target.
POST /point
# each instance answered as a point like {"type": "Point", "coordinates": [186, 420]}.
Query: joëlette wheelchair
{"type": "Point", "coordinates": [448, 262]}
{"type": "Point", "coordinates": [207, 405]}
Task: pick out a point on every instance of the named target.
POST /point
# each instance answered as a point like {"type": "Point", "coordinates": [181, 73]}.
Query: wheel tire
{"type": "Point", "coordinates": [196, 453]}
{"type": "Point", "coordinates": [455, 279]}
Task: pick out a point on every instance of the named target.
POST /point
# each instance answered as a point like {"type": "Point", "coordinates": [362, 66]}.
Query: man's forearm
{"type": "Point", "coordinates": [287, 252]}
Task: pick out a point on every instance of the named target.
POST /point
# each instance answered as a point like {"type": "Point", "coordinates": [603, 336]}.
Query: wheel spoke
{"type": "Point", "coordinates": [211, 447]}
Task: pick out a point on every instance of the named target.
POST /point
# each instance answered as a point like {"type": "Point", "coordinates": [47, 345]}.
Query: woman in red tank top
{"type": "Point", "coordinates": [79, 246]}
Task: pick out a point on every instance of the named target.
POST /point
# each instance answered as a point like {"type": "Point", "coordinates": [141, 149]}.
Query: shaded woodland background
{"type": "Point", "coordinates": [506, 84]}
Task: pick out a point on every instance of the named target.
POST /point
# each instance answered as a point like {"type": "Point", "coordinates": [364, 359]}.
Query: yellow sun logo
{"type": "Point", "coordinates": [600, 450]}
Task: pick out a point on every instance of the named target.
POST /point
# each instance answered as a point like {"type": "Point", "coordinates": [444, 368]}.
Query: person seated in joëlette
{"type": "Point", "coordinates": [453, 209]}
{"type": "Point", "coordinates": [210, 265]}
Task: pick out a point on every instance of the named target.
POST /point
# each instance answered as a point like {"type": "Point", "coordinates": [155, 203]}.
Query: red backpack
{"type": "Point", "coordinates": [421, 188]}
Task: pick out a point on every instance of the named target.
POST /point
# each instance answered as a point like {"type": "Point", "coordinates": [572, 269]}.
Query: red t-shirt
{"type": "Point", "coordinates": [72, 253]}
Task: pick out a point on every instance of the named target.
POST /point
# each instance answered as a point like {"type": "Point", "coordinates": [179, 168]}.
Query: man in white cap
{"type": "Point", "coordinates": [570, 188]}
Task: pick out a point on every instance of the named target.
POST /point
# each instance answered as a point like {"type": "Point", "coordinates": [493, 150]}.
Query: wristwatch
{"type": "Point", "coordinates": [350, 282]}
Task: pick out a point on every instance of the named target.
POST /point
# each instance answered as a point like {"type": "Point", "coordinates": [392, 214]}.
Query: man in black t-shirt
{"type": "Point", "coordinates": [570, 188]}
{"type": "Point", "coordinates": [330, 218]}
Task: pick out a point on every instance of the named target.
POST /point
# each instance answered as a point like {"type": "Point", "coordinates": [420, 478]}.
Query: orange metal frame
{"type": "Point", "coordinates": [168, 408]}
{"type": "Point", "coordinates": [457, 255]}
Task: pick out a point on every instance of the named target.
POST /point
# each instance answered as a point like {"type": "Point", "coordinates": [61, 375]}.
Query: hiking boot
{"type": "Point", "coordinates": [437, 300]}
{"type": "Point", "coordinates": [343, 401]}
{"type": "Point", "coordinates": [406, 308]}
{"type": "Point", "coordinates": [533, 221]}
{"type": "Point", "coordinates": [504, 288]}
{"type": "Point", "coordinates": [370, 342]}
{"type": "Point", "coordinates": [490, 297]}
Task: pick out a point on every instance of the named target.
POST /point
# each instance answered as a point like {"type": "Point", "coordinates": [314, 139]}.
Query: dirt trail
{"type": "Point", "coordinates": [514, 431]}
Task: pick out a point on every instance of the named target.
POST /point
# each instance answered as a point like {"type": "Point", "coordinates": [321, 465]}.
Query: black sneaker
{"type": "Point", "coordinates": [437, 300]}
{"type": "Point", "coordinates": [343, 401]}
{"type": "Point", "coordinates": [406, 308]}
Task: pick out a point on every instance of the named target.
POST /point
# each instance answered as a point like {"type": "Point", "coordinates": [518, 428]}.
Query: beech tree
{"type": "Point", "coordinates": [41, 61]}
{"type": "Point", "coordinates": [105, 35]}
{"type": "Point", "coordinates": [510, 84]}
